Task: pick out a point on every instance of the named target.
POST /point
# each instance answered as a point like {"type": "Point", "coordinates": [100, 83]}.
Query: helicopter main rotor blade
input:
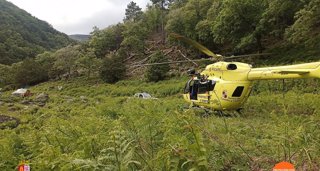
{"type": "Point", "coordinates": [172, 62]}
{"type": "Point", "coordinates": [199, 60]}
{"type": "Point", "coordinates": [194, 43]}
{"type": "Point", "coordinates": [249, 55]}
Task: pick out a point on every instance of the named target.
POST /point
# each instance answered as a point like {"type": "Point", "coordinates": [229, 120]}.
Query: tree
{"type": "Point", "coordinates": [157, 72]}
{"type": "Point", "coordinates": [65, 61]}
{"type": "Point", "coordinates": [135, 35]}
{"type": "Point", "coordinates": [162, 4]}
{"type": "Point", "coordinates": [133, 12]}
{"type": "Point", "coordinates": [46, 60]}
{"type": "Point", "coordinates": [152, 18]}
{"type": "Point", "coordinates": [191, 20]}
{"type": "Point", "coordinates": [278, 16]}
{"type": "Point", "coordinates": [7, 75]}
{"type": "Point", "coordinates": [306, 28]}
{"type": "Point", "coordinates": [107, 40]}
{"type": "Point", "coordinates": [30, 72]}
{"type": "Point", "coordinates": [237, 24]}
{"type": "Point", "coordinates": [113, 69]}
{"type": "Point", "coordinates": [89, 62]}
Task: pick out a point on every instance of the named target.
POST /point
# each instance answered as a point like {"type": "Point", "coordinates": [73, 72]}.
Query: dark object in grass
{"type": "Point", "coordinates": [8, 122]}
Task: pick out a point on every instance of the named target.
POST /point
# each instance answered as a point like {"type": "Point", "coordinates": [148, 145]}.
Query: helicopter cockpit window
{"type": "Point", "coordinates": [206, 86]}
{"type": "Point", "coordinates": [211, 85]}
{"type": "Point", "coordinates": [203, 87]}
{"type": "Point", "coordinates": [232, 67]}
{"type": "Point", "coordinates": [238, 91]}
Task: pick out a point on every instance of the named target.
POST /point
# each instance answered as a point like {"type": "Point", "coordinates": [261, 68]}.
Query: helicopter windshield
{"type": "Point", "coordinates": [195, 87]}
{"type": "Point", "coordinates": [206, 86]}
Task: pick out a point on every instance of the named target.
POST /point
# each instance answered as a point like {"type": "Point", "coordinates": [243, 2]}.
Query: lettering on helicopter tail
{"type": "Point", "coordinates": [224, 94]}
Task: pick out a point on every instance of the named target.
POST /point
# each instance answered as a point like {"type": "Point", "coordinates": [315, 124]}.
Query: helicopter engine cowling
{"type": "Point", "coordinates": [230, 71]}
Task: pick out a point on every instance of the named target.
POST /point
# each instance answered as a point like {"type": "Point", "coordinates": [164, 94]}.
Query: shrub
{"type": "Point", "coordinates": [30, 73]}
{"type": "Point", "coordinates": [157, 72]}
{"type": "Point", "coordinates": [113, 69]}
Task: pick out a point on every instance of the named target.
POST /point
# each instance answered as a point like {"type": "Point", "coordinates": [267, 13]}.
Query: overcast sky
{"type": "Point", "coordinates": [78, 16]}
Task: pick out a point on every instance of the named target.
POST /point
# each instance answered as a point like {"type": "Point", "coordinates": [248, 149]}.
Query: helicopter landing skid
{"type": "Point", "coordinates": [207, 112]}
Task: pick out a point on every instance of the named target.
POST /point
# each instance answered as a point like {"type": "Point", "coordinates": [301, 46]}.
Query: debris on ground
{"type": "Point", "coordinates": [22, 92]}
{"type": "Point", "coordinates": [42, 99]}
{"type": "Point", "coordinates": [144, 95]}
{"type": "Point", "coordinates": [60, 88]}
{"type": "Point", "coordinates": [26, 102]}
{"type": "Point", "coordinates": [84, 99]}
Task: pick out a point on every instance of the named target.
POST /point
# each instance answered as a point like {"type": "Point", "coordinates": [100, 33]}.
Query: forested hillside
{"type": "Point", "coordinates": [23, 36]}
{"type": "Point", "coordinates": [80, 37]}
{"type": "Point", "coordinates": [289, 30]}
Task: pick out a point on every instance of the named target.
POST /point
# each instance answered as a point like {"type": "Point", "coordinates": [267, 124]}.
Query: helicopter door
{"type": "Point", "coordinates": [204, 89]}
{"type": "Point", "coordinates": [194, 90]}
{"type": "Point", "coordinates": [191, 89]}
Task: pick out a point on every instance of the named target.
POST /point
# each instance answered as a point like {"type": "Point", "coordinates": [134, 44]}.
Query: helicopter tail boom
{"type": "Point", "coordinates": [308, 70]}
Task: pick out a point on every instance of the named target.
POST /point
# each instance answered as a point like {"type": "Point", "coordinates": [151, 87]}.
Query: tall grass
{"type": "Point", "coordinates": [89, 125]}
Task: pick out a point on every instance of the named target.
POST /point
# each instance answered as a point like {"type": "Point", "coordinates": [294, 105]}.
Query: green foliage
{"type": "Point", "coordinates": [133, 12]}
{"type": "Point", "coordinates": [106, 40]}
{"type": "Point", "coordinates": [46, 60]}
{"type": "Point", "coordinates": [135, 35]}
{"type": "Point", "coordinates": [23, 36]}
{"type": "Point", "coordinates": [29, 72]}
{"type": "Point", "coordinates": [113, 68]}
{"type": "Point", "coordinates": [152, 18]}
{"type": "Point", "coordinates": [191, 21]}
{"type": "Point", "coordinates": [157, 72]}
{"type": "Point", "coordinates": [7, 75]}
{"type": "Point", "coordinates": [237, 23]}
{"type": "Point", "coordinates": [65, 61]}
{"type": "Point", "coordinates": [89, 62]}
{"type": "Point", "coordinates": [278, 16]}
{"type": "Point", "coordinates": [306, 27]}
{"type": "Point", "coordinates": [162, 3]}
{"type": "Point", "coordinates": [248, 26]}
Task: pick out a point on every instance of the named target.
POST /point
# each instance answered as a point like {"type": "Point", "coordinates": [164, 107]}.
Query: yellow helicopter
{"type": "Point", "coordinates": [225, 86]}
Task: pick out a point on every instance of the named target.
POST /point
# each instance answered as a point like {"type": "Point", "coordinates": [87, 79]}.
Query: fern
{"type": "Point", "coordinates": [119, 155]}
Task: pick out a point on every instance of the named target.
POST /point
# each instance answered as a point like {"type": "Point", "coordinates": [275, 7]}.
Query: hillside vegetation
{"type": "Point", "coordinates": [80, 37]}
{"type": "Point", "coordinates": [24, 36]}
{"type": "Point", "coordinates": [290, 30]}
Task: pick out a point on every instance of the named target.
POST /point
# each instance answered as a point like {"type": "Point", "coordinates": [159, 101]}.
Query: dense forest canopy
{"type": "Point", "coordinates": [24, 36]}
{"type": "Point", "coordinates": [288, 29]}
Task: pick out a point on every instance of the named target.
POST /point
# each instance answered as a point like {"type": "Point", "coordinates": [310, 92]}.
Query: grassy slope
{"type": "Point", "coordinates": [90, 125]}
